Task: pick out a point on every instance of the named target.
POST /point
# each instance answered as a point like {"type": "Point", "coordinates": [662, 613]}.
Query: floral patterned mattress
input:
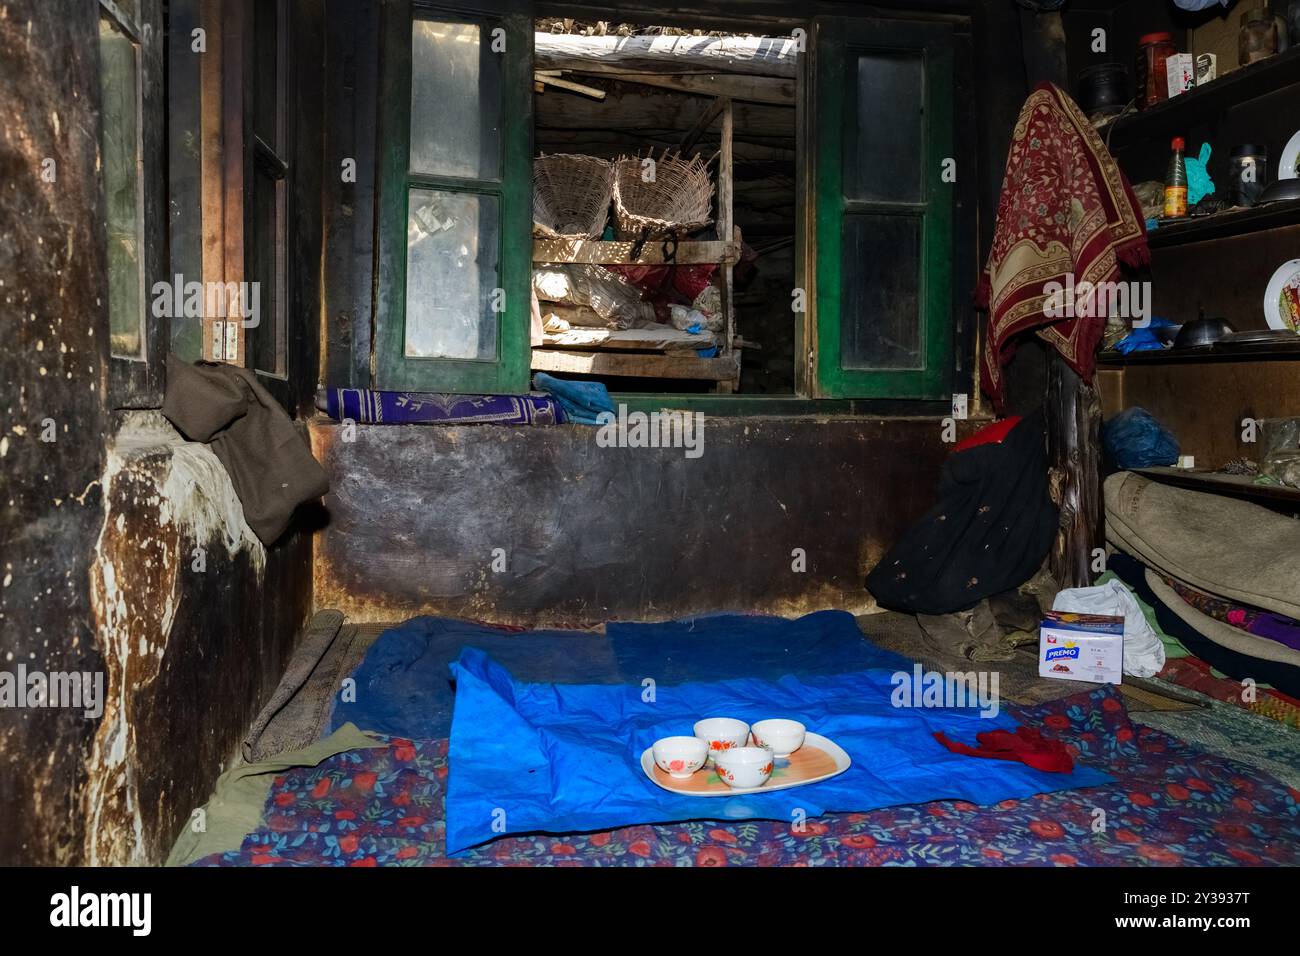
{"type": "Point", "coordinates": [1171, 804]}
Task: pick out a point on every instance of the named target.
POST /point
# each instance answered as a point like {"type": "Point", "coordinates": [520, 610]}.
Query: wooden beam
{"type": "Point", "coordinates": [689, 366]}
{"type": "Point", "coordinates": [545, 79]}
{"type": "Point", "coordinates": [727, 229]}
{"type": "Point", "coordinates": [233, 161]}
{"type": "Point", "coordinates": [211, 173]}
{"type": "Point", "coordinates": [752, 89]}
{"type": "Point", "coordinates": [665, 338]}
{"type": "Point", "coordinates": [753, 56]}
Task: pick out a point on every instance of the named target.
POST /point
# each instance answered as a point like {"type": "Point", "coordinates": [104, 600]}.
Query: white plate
{"type": "Point", "coordinates": [1287, 274]}
{"type": "Point", "coordinates": [1289, 167]}
{"type": "Point", "coordinates": [817, 741]}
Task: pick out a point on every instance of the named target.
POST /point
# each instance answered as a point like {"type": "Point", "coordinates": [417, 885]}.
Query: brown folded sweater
{"type": "Point", "coordinates": [264, 452]}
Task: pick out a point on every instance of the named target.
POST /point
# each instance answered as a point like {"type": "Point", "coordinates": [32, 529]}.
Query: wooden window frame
{"type": "Point", "coordinates": [137, 381]}
{"type": "Point", "coordinates": [276, 160]}
{"type": "Point", "coordinates": [820, 384]}
{"type": "Point", "coordinates": [837, 42]}
{"type": "Point", "coordinates": [392, 368]}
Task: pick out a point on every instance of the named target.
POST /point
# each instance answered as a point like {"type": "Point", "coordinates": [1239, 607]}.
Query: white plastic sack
{"type": "Point", "coordinates": [1144, 655]}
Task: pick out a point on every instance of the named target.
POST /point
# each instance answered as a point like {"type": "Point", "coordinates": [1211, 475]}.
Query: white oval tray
{"type": "Point", "coordinates": [820, 758]}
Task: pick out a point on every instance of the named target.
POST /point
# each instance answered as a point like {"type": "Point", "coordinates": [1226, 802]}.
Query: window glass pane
{"type": "Point", "coordinates": [451, 275]}
{"type": "Point", "coordinates": [455, 101]}
{"type": "Point", "coordinates": [265, 266]}
{"type": "Point", "coordinates": [123, 185]}
{"type": "Point", "coordinates": [887, 152]}
{"type": "Point", "coordinates": [880, 312]}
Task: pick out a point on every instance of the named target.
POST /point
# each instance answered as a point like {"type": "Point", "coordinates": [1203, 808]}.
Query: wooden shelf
{"type": "Point", "coordinates": [1232, 222]}
{"type": "Point", "coordinates": [1237, 485]}
{"type": "Point", "coordinates": [1208, 353]}
{"type": "Point", "coordinates": [1204, 102]}
{"type": "Point", "coordinates": [612, 252]}
{"type": "Point", "coordinates": [659, 339]}
{"type": "Point", "coordinates": [685, 365]}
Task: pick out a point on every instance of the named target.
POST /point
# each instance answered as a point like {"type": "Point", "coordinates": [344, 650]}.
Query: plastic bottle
{"type": "Point", "coordinates": [1176, 182]}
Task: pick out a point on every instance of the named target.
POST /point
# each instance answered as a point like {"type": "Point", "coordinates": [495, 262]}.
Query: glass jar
{"type": "Point", "coordinates": [1151, 86]}
{"type": "Point", "coordinates": [1247, 174]}
{"type": "Point", "coordinates": [1258, 37]}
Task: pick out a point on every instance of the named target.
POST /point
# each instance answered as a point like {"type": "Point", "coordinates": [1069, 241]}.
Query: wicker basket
{"type": "Point", "coordinates": [571, 196]}
{"type": "Point", "coordinates": [678, 201]}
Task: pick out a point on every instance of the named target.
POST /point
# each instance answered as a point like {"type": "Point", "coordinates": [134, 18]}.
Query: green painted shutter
{"type": "Point", "coordinates": [481, 292]}
{"type": "Point", "coordinates": [883, 127]}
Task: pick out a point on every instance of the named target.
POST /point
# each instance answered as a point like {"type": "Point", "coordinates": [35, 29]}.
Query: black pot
{"type": "Point", "coordinates": [1103, 89]}
{"type": "Point", "coordinates": [1200, 332]}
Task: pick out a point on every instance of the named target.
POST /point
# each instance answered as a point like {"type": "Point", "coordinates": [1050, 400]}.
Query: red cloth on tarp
{"type": "Point", "coordinates": [1065, 210]}
{"type": "Point", "coordinates": [1027, 745]}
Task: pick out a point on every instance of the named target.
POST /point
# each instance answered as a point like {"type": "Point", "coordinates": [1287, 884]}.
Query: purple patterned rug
{"type": "Point", "coordinates": [365, 406]}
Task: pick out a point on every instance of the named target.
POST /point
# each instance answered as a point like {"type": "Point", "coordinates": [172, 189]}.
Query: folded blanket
{"type": "Point", "coordinates": [1223, 654]}
{"type": "Point", "coordinates": [1234, 549]}
{"type": "Point", "coordinates": [566, 757]}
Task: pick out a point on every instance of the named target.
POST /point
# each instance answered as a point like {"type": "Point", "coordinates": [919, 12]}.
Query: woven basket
{"type": "Point", "coordinates": [571, 196]}
{"type": "Point", "coordinates": [678, 201]}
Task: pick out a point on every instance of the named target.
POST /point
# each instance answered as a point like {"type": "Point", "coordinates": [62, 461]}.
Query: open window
{"type": "Point", "coordinates": [828, 232]}
{"type": "Point", "coordinates": [454, 248]}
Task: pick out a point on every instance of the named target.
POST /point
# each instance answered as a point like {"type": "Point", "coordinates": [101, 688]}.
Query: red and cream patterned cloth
{"type": "Point", "coordinates": [1065, 211]}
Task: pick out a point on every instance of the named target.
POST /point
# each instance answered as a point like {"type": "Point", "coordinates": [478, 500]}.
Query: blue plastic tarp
{"type": "Point", "coordinates": [561, 758]}
{"type": "Point", "coordinates": [403, 686]}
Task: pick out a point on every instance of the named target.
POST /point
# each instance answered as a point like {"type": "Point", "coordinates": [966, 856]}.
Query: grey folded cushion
{"type": "Point", "coordinates": [1223, 546]}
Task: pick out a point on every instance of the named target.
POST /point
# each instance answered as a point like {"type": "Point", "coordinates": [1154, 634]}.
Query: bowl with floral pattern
{"type": "Point", "coordinates": [744, 767]}
{"type": "Point", "coordinates": [783, 736]}
{"type": "Point", "coordinates": [680, 757]}
{"type": "Point", "coordinates": [721, 733]}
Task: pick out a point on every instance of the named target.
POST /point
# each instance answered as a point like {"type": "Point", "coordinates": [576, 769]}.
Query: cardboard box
{"type": "Point", "coordinates": [1207, 68]}
{"type": "Point", "coordinates": [1086, 647]}
{"type": "Point", "coordinates": [1180, 73]}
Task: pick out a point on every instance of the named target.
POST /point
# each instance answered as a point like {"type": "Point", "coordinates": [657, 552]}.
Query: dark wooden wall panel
{"type": "Point", "coordinates": [348, 208]}
{"type": "Point", "coordinates": [596, 533]}
{"type": "Point", "coordinates": [53, 368]}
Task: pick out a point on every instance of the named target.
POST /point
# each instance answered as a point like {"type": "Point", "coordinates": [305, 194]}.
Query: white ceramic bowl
{"type": "Point", "coordinates": [680, 756]}
{"type": "Point", "coordinates": [722, 733]}
{"type": "Point", "coordinates": [744, 767]}
{"type": "Point", "coordinates": [783, 736]}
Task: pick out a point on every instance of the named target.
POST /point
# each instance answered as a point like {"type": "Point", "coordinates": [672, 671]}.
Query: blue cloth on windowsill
{"type": "Point", "coordinates": [582, 401]}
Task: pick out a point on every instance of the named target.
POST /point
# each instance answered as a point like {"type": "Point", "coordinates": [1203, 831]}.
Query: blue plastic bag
{"type": "Point", "coordinates": [1134, 439]}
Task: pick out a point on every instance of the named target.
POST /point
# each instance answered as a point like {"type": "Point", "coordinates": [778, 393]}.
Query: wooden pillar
{"type": "Point", "coordinates": [1073, 452]}
{"type": "Point", "coordinates": [1073, 410]}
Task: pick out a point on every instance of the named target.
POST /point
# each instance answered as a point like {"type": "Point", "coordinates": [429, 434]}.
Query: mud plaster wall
{"type": "Point", "coordinates": [590, 533]}
{"type": "Point", "coordinates": [196, 622]}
